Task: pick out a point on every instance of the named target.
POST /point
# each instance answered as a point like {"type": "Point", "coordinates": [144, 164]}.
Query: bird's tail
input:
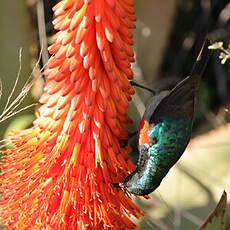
{"type": "Point", "coordinates": [202, 59]}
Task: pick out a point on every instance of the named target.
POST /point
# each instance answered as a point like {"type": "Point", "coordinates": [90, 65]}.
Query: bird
{"type": "Point", "coordinates": [165, 130]}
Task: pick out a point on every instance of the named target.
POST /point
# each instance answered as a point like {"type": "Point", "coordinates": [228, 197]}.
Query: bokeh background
{"type": "Point", "coordinates": [168, 37]}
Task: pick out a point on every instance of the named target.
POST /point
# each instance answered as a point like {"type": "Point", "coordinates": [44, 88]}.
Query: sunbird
{"type": "Point", "coordinates": [165, 130]}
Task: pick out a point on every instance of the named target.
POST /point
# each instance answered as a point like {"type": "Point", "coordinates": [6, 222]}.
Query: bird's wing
{"type": "Point", "coordinates": [153, 104]}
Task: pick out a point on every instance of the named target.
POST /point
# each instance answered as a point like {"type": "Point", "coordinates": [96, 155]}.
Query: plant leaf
{"type": "Point", "coordinates": [216, 219]}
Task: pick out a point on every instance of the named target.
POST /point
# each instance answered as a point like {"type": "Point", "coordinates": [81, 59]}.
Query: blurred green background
{"type": "Point", "coordinates": [168, 37]}
{"type": "Point", "coordinates": [15, 33]}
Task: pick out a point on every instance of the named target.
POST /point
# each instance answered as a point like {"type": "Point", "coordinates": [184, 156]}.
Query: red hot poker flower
{"type": "Point", "coordinates": [59, 174]}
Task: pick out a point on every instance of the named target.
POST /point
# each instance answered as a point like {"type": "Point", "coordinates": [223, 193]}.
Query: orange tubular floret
{"type": "Point", "coordinates": [60, 172]}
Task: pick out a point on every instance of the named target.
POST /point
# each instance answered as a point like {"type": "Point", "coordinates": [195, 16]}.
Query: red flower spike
{"type": "Point", "coordinates": [59, 173]}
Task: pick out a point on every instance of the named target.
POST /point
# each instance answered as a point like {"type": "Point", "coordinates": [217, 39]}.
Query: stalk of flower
{"type": "Point", "coordinates": [60, 172]}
